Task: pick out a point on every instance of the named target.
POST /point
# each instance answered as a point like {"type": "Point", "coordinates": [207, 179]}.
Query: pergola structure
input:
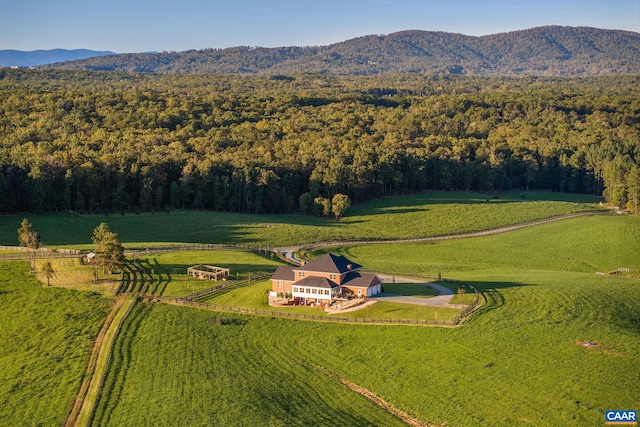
{"type": "Point", "coordinates": [208, 272]}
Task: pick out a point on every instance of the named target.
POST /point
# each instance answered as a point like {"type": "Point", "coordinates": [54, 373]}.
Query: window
{"type": "Point", "coordinates": [308, 290]}
{"type": "Point", "coordinates": [279, 284]}
{"type": "Point", "coordinates": [332, 276]}
{"type": "Point", "coordinates": [295, 289]}
{"type": "Point", "coordinates": [301, 274]}
{"type": "Point", "coordinates": [326, 292]}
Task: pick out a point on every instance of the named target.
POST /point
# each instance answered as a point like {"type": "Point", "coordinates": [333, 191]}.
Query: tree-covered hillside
{"type": "Point", "coordinates": [544, 51]}
{"type": "Point", "coordinates": [97, 141]}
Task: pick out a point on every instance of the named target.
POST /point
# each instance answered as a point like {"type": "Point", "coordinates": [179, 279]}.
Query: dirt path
{"type": "Point", "coordinates": [91, 364]}
{"type": "Point", "coordinates": [290, 251]}
{"type": "Point", "coordinates": [87, 396]}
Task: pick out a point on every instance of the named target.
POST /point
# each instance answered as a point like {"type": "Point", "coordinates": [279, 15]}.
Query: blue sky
{"type": "Point", "coordinates": [163, 25]}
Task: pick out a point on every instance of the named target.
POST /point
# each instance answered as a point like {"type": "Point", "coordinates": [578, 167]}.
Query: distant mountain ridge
{"type": "Point", "coordinates": [546, 51]}
{"type": "Point", "coordinates": [34, 58]}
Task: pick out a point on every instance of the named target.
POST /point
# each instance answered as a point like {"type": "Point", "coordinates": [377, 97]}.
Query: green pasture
{"type": "Point", "coordinates": [587, 245]}
{"type": "Point", "coordinates": [169, 270]}
{"type": "Point", "coordinates": [172, 367]}
{"type": "Point", "coordinates": [419, 215]}
{"type": "Point", "coordinates": [519, 361]}
{"type": "Point", "coordinates": [45, 340]}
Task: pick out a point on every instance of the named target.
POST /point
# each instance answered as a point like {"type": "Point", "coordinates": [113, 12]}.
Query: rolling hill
{"type": "Point", "coordinates": [545, 51]}
{"type": "Point", "coordinates": [19, 58]}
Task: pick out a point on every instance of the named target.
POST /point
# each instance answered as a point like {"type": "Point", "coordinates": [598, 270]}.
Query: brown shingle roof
{"type": "Point", "coordinates": [360, 280]}
{"type": "Point", "coordinates": [284, 273]}
{"type": "Point", "coordinates": [330, 263]}
{"type": "Point", "coordinates": [316, 282]}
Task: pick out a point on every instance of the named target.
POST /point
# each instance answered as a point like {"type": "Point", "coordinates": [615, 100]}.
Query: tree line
{"type": "Point", "coordinates": [115, 142]}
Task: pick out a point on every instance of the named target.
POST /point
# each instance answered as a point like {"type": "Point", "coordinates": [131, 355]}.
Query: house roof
{"type": "Point", "coordinates": [316, 282]}
{"type": "Point", "coordinates": [284, 273]}
{"type": "Point", "coordinates": [360, 280]}
{"type": "Point", "coordinates": [330, 263]}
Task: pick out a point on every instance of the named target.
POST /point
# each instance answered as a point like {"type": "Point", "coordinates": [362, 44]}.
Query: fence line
{"type": "Point", "coordinates": [315, 317]}
{"type": "Point", "coordinates": [229, 284]}
{"type": "Point", "coordinates": [481, 233]}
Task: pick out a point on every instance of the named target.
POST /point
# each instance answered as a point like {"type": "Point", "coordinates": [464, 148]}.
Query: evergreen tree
{"type": "Point", "coordinates": [108, 249]}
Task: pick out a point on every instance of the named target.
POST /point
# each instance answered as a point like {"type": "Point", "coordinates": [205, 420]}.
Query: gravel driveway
{"type": "Point", "coordinates": [442, 300]}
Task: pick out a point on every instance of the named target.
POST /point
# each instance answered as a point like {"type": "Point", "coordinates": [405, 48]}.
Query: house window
{"type": "Point", "coordinates": [280, 284]}
{"type": "Point", "coordinates": [295, 289]}
{"type": "Point", "coordinates": [326, 292]}
{"type": "Point", "coordinates": [301, 274]}
{"type": "Point", "coordinates": [314, 291]}
{"type": "Point", "coordinates": [308, 290]}
{"type": "Point", "coordinates": [332, 277]}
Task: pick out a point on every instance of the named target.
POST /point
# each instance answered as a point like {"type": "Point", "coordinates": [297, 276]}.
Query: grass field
{"type": "Point", "coordinates": [420, 215]}
{"type": "Point", "coordinates": [518, 362]}
{"type": "Point", "coordinates": [45, 339]}
{"type": "Point", "coordinates": [170, 269]}
{"type": "Point", "coordinates": [172, 367]}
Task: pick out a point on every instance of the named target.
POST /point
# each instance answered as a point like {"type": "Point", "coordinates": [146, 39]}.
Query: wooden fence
{"type": "Point", "coordinates": [228, 284]}
{"type": "Point", "coordinates": [315, 317]}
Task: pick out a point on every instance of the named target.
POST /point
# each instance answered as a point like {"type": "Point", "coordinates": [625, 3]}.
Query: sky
{"type": "Point", "coordinates": [164, 25]}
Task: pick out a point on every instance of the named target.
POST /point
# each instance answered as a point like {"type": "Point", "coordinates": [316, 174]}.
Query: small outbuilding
{"type": "Point", "coordinates": [208, 272]}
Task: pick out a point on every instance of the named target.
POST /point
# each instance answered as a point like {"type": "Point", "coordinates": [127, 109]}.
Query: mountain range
{"type": "Point", "coordinates": [546, 51]}
{"type": "Point", "coordinates": [20, 58]}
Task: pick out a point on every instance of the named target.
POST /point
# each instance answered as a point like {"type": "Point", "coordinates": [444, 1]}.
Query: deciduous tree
{"type": "Point", "coordinates": [339, 204]}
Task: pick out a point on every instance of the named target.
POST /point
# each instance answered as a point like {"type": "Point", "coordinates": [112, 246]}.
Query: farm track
{"type": "Point", "coordinates": [287, 250]}
{"type": "Point", "coordinates": [91, 364]}
{"type": "Point", "coordinates": [290, 251]}
{"type": "Point", "coordinates": [98, 364]}
{"type": "Point", "coordinates": [122, 356]}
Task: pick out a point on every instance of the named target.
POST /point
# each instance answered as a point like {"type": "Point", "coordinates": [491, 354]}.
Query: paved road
{"type": "Point", "coordinates": [441, 300]}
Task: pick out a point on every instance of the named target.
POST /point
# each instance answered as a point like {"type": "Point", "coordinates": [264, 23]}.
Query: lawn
{"type": "Point", "coordinates": [169, 270]}
{"type": "Point", "coordinates": [419, 215]}
{"type": "Point", "coordinates": [71, 273]}
{"type": "Point", "coordinates": [255, 296]}
{"type": "Point", "coordinates": [45, 339]}
{"type": "Point", "coordinates": [410, 289]}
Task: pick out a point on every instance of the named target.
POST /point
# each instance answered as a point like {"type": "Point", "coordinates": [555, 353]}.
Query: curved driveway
{"type": "Point", "coordinates": [441, 300]}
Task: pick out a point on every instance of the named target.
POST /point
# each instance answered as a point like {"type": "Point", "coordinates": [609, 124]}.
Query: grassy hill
{"type": "Point", "coordinates": [419, 215]}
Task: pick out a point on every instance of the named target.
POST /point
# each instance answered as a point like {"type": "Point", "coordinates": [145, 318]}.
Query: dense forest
{"type": "Point", "coordinates": [543, 51]}
{"type": "Point", "coordinates": [114, 142]}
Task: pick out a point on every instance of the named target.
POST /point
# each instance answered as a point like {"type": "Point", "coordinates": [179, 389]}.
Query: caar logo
{"type": "Point", "coordinates": [621, 418]}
